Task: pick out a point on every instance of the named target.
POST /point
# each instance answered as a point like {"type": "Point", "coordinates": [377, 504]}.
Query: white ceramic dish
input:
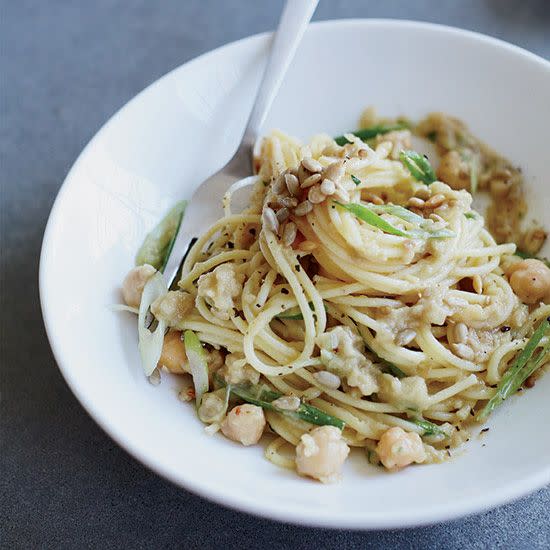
{"type": "Point", "coordinates": [181, 129]}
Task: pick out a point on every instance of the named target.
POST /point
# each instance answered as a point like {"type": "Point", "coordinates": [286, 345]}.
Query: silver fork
{"type": "Point", "coordinates": [201, 212]}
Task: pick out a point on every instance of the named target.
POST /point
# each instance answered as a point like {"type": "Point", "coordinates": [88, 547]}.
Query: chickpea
{"type": "Point", "coordinates": [173, 355]}
{"type": "Point", "coordinates": [244, 424]}
{"type": "Point", "coordinates": [454, 171]}
{"type": "Point", "coordinates": [398, 449]}
{"type": "Point", "coordinates": [132, 286]}
{"type": "Point", "coordinates": [174, 358]}
{"type": "Point", "coordinates": [530, 280]}
{"type": "Point", "coordinates": [321, 454]}
{"type": "Point", "coordinates": [533, 239]}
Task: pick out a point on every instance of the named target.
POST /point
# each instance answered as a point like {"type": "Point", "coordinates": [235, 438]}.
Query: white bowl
{"type": "Point", "coordinates": [184, 127]}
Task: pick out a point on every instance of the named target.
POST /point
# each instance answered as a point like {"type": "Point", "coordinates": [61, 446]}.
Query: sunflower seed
{"type": "Point", "coordinates": [435, 201]}
{"type": "Point", "coordinates": [415, 202]}
{"type": "Point", "coordinates": [422, 193]}
{"type": "Point", "coordinates": [311, 393]}
{"type": "Point", "coordinates": [303, 208]}
{"type": "Point", "coordinates": [315, 195]}
{"type": "Point", "coordinates": [311, 180]}
{"type": "Point", "coordinates": [334, 171]}
{"type": "Point", "coordinates": [375, 199]}
{"type": "Point", "coordinates": [282, 215]}
{"type": "Point", "coordinates": [288, 202]}
{"type": "Point", "coordinates": [327, 379]}
{"type": "Point", "coordinates": [328, 187]}
{"type": "Point", "coordinates": [312, 165]}
{"type": "Point", "coordinates": [269, 220]}
{"type": "Point", "coordinates": [287, 403]}
{"type": "Point", "coordinates": [292, 184]}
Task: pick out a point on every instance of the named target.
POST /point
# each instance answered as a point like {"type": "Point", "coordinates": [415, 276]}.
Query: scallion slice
{"type": "Point", "coordinates": [429, 427]}
{"type": "Point", "coordinates": [262, 397]}
{"type": "Point", "coordinates": [371, 132]}
{"type": "Point", "coordinates": [158, 244]}
{"type": "Point", "coordinates": [398, 212]}
{"type": "Point", "coordinates": [419, 166]}
{"type": "Point", "coordinates": [431, 234]}
{"type": "Point", "coordinates": [197, 363]}
{"type": "Point", "coordinates": [150, 343]}
{"type": "Point", "coordinates": [367, 215]}
{"type": "Point", "coordinates": [522, 368]}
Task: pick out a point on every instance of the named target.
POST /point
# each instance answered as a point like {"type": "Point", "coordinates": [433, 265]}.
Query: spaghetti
{"type": "Point", "coordinates": [375, 297]}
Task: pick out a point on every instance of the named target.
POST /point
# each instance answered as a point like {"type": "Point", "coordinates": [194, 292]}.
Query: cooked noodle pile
{"type": "Point", "coordinates": [359, 289]}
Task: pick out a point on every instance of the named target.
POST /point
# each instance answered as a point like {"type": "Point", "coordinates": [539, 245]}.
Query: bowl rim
{"type": "Point", "coordinates": [426, 516]}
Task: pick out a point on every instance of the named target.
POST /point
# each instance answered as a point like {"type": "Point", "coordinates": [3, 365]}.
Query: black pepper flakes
{"type": "Point", "coordinates": [297, 267]}
{"type": "Point", "coordinates": [505, 329]}
{"type": "Point", "coordinates": [284, 291]}
{"type": "Point", "coordinates": [484, 430]}
{"type": "Point", "coordinates": [230, 245]}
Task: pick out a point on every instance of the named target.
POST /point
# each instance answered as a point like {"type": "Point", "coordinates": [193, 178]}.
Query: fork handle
{"type": "Point", "coordinates": [293, 23]}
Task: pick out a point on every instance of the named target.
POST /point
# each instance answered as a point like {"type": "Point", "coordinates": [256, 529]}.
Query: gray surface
{"type": "Point", "coordinates": [65, 68]}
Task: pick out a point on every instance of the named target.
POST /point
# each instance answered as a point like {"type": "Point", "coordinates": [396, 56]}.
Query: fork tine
{"type": "Point", "coordinates": [183, 242]}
